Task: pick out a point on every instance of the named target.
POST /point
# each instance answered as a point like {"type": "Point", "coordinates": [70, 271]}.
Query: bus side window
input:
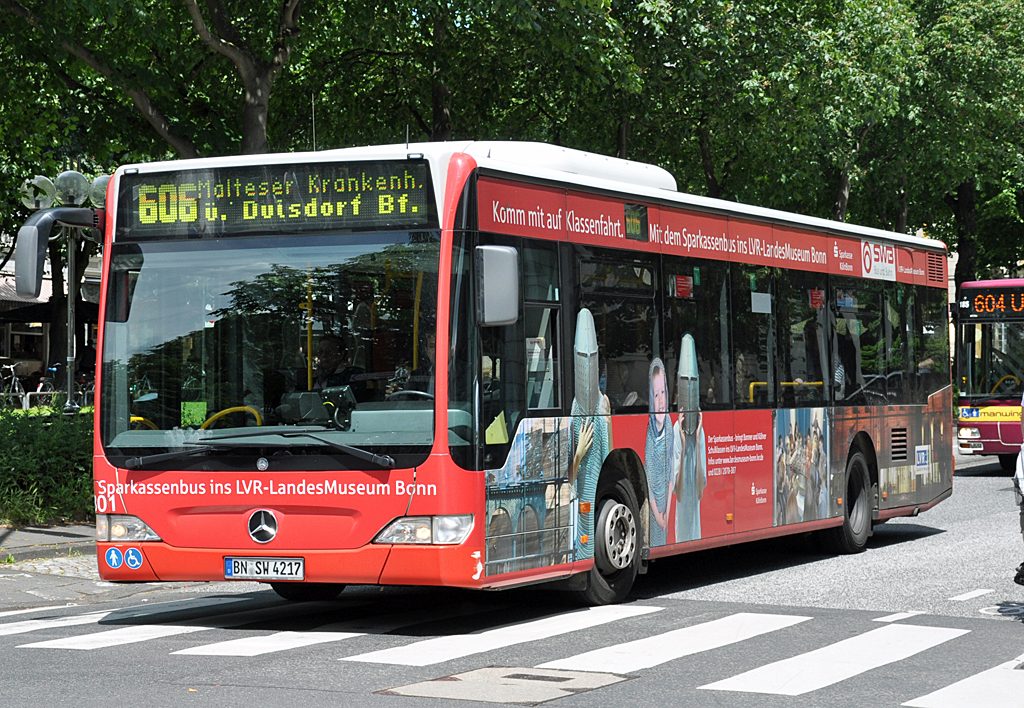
{"type": "Point", "coordinates": [620, 294]}
{"type": "Point", "coordinates": [503, 377]}
{"type": "Point", "coordinates": [696, 293]}
{"type": "Point", "coordinates": [541, 295]}
{"type": "Point", "coordinates": [753, 326]}
{"type": "Point", "coordinates": [803, 357]}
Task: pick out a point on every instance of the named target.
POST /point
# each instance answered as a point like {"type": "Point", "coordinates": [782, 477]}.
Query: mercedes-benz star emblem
{"type": "Point", "coordinates": [263, 526]}
{"type": "Point", "coordinates": [262, 464]}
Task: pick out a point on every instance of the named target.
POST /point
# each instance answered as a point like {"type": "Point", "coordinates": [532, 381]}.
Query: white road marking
{"type": "Point", "coordinates": [440, 649]}
{"type": "Point", "coordinates": [840, 661]}
{"type": "Point", "coordinates": [659, 649]}
{"type": "Point", "coordinates": [115, 637]}
{"type": "Point", "coordinates": [34, 625]}
{"type": "Point", "coordinates": [1000, 687]}
{"type": "Point", "coordinates": [266, 644]}
{"type": "Point", "coordinates": [899, 616]}
{"type": "Point", "coordinates": [34, 609]}
{"type": "Point", "coordinates": [971, 595]}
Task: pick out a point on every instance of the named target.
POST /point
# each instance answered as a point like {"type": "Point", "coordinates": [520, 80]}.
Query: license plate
{"type": "Point", "coordinates": [264, 569]}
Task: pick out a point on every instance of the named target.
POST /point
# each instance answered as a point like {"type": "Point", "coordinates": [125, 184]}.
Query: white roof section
{"type": "Point", "coordinates": [550, 163]}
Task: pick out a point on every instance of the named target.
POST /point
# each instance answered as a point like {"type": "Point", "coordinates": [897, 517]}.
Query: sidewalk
{"type": "Point", "coordinates": [30, 542]}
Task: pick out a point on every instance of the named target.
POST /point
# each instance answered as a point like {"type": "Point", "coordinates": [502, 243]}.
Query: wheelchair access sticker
{"type": "Point", "coordinates": [133, 558]}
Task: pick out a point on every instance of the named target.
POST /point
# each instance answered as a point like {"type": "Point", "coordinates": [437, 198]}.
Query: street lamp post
{"type": "Point", "coordinates": [72, 189]}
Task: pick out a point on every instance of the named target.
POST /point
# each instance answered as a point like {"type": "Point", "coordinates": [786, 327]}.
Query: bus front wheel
{"type": "Point", "coordinates": [616, 543]}
{"type": "Point", "coordinates": [1008, 463]}
{"type": "Point", "coordinates": [307, 592]}
{"type": "Point", "coordinates": [852, 536]}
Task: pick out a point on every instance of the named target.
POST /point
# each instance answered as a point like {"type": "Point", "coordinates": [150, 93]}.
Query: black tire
{"type": "Point", "coordinates": [616, 543]}
{"type": "Point", "coordinates": [1008, 462]}
{"type": "Point", "coordinates": [308, 592]}
{"type": "Point", "coordinates": [852, 536]}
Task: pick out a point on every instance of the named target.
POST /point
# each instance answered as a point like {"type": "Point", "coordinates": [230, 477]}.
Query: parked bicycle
{"type": "Point", "coordinates": [13, 392]}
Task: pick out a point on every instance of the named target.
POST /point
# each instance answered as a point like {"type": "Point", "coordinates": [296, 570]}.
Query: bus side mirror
{"type": "Point", "coordinates": [497, 285]}
{"type": "Point", "coordinates": [33, 238]}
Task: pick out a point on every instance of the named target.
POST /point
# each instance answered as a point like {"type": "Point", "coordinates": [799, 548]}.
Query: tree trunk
{"type": "Point", "coordinates": [842, 197]}
{"type": "Point", "coordinates": [901, 219]}
{"type": "Point", "coordinates": [441, 129]}
{"type": "Point", "coordinates": [707, 161]}
{"type": "Point", "coordinates": [441, 123]}
{"type": "Point", "coordinates": [258, 80]}
{"type": "Point", "coordinates": [964, 212]}
{"type": "Point", "coordinates": [623, 140]}
{"type": "Point", "coordinates": [963, 206]}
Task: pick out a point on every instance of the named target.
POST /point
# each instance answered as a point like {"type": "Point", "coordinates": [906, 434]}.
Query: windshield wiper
{"type": "Point", "coordinates": [385, 461]}
{"type": "Point", "coordinates": [134, 463]}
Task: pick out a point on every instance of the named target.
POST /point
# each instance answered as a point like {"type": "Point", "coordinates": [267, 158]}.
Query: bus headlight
{"type": "Point", "coordinates": [117, 528]}
{"type": "Point", "coordinates": [449, 530]}
{"type": "Point", "coordinates": [970, 433]}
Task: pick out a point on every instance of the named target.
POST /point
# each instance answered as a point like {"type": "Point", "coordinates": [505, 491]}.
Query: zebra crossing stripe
{"type": "Point", "coordinates": [52, 623]}
{"type": "Point", "coordinates": [840, 661]}
{"type": "Point", "coordinates": [999, 687]}
{"type": "Point", "coordinates": [651, 651]}
{"type": "Point", "coordinates": [115, 637]}
{"type": "Point", "coordinates": [899, 616]}
{"type": "Point", "coordinates": [440, 649]}
{"type": "Point", "coordinates": [266, 644]}
{"type": "Point", "coordinates": [8, 613]}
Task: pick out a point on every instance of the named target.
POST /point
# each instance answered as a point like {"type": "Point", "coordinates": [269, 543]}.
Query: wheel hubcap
{"type": "Point", "coordinates": [620, 537]}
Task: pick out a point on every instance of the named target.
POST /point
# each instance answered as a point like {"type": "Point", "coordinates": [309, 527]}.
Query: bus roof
{"type": "Point", "coordinates": [1000, 283]}
{"type": "Point", "coordinates": [555, 164]}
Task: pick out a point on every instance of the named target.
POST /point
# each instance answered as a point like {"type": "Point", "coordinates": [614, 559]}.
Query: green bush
{"type": "Point", "coordinates": [45, 467]}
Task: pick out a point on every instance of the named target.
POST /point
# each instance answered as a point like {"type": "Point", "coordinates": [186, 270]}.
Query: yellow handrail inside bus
{"type": "Point", "coordinates": [784, 383]}
{"type": "Point", "coordinates": [236, 409]}
{"type": "Point", "coordinates": [1008, 376]}
{"type": "Point", "coordinates": [144, 421]}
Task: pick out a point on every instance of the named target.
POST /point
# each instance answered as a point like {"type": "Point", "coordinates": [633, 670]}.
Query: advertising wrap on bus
{"type": "Point", "coordinates": [538, 211]}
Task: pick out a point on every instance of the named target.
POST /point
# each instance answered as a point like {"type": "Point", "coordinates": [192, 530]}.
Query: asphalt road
{"type": "Point", "coordinates": [928, 616]}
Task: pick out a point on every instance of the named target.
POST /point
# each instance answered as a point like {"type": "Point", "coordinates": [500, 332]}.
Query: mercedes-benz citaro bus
{"type": "Point", "coordinates": [490, 364]}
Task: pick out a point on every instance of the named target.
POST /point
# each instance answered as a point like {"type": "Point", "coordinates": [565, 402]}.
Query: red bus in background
{"type": "Point", "coordinates": [991, 361]}
{"type": "Point", "coordinates": [490, 364]}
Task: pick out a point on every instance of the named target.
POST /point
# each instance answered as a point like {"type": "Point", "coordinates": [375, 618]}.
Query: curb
{"type": "Point", "coordinates": [49, 550]}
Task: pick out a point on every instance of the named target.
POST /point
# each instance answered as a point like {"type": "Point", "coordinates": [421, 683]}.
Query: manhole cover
{"type": "Point", "coordinates": [497, 684]}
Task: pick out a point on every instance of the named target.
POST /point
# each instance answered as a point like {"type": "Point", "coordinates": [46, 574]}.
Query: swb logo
{"type": "Point", "coordinates": [878, 261]}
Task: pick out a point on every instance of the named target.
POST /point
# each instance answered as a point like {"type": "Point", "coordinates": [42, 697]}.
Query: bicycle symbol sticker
{"type": "Point", "coordinates": [133, 558]}
{"type": "Point", "coordinates": [114, 558]}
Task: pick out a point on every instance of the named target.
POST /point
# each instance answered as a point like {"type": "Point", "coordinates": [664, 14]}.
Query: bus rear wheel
{"type": "Point", "coordinates": [616, 543]}
{"type": "Point", "coordinates": [852, 536]}
{"type": "Point", "coordinates": [308, 592]}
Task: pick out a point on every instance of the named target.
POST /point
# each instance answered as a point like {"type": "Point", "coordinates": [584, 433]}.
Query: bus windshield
{"type": "Point", "coordinates": [330, 334]}
{"type": "Point", "coordinates": [992, 359]}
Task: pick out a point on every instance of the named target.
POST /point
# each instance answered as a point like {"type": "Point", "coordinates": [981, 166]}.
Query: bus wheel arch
{"type": "Point", "coordinates": [618, 534]}
{"type": "Point", "coordinates": [626, 462]}
{"type": "Point", "coordinates": [858, 493]}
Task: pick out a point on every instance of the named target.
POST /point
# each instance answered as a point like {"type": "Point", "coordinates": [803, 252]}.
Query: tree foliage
{"type": "Point", "coordinates": [901, 114]}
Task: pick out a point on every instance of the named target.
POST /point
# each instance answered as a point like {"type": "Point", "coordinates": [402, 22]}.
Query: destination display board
{"type": "Point", "coordinates": [992, 302]}
{"type": "Point", "coordinates": [274, 199]}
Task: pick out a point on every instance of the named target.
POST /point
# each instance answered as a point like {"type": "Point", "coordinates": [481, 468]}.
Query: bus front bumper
{"type": "Point", "coordinates": [457, 566]}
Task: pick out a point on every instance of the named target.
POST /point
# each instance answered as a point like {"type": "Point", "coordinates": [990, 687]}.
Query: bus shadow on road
{"type": "Point", "coordinates": [993, 470]}
{"type": "Point", "coordinates": [701, 568]}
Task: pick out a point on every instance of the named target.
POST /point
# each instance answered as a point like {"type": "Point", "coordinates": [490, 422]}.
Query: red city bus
{"type": "Point", "coordinates": [991, 363]}
{"type": "Point", "coordinates": [490, 364]}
